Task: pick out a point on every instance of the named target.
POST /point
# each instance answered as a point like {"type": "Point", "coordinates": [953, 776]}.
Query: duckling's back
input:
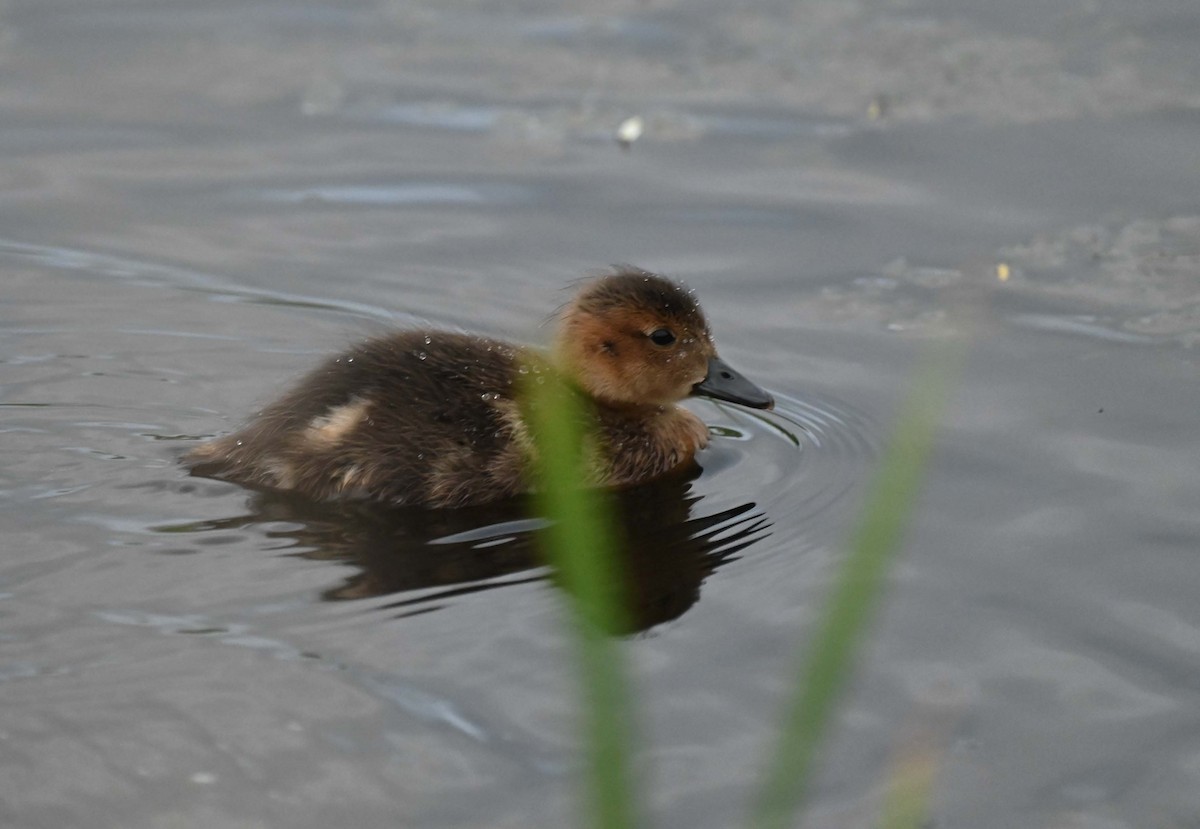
{"type": "Point", "coordinates": [425, 418]}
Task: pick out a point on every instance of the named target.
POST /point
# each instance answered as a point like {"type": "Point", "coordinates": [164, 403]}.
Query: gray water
{"type": "Point", "coordinates": [197, 200]}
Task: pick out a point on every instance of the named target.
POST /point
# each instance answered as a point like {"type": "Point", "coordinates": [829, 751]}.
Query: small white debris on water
{"type": "Point", "coordinates": [630, 130]}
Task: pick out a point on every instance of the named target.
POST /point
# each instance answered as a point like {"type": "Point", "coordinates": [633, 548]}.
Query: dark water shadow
{"type": "Point", "coordinates": [429, 559]}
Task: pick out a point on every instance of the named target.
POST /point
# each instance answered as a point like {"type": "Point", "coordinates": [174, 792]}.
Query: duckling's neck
{"type": "Point", "coordinates": [643, 440]}
{"type": "Point", "coordinates": [623, 410]}
{"type": "Point", "coordinates": [647, 441]}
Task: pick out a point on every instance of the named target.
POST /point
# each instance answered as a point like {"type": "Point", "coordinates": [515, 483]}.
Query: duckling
{"type": "Point", "coordinates": [432, 418]}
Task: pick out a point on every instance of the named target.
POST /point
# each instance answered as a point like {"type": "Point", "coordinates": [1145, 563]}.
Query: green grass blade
{"type": "Point", "coordinates": [857, 592]}
{"type": "Point", "coordinates": [907, 803]}
{"type": "Point", "coordinates": [580, 545]}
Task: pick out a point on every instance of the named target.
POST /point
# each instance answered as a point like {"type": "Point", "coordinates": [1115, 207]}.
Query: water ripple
{"type": "Point", "coordinates": [396, 195]}
{"type": "Point", "coordinates": [155, 274]}
{"type": "Point", "coordinates": [803, 460]}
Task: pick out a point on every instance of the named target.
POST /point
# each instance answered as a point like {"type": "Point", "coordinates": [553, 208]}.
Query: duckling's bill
{"type": "Point", "coordinates": [724, 382]}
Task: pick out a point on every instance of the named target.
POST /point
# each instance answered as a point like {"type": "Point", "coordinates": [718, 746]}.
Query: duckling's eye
{"type": "Point", "coordinates": [662, 337]}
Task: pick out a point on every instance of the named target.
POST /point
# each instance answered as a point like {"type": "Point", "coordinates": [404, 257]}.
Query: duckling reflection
{"type": "Point", "coordinates": [441, 556]}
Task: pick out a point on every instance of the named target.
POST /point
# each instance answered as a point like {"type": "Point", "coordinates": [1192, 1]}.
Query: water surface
{"type": "Point", "coordinates": [198, 201]}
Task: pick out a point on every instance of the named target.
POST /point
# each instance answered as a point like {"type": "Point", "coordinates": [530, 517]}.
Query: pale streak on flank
{"type": "Point", "coordinates": [510, 415]}
{"type": "Point", "coordinates": [329, 429]}
{"type": "Point", "coordinates": [350, 477]}
{"type": "Point", "coordinates": [282, 472]}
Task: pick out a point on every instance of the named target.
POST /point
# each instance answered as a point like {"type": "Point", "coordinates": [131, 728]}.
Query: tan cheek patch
{"type": "Point", "coordinates": [331, 427]}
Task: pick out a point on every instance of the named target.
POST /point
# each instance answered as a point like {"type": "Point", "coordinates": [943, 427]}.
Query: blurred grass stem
{"type": "Point", "coordinates": [824, 672]}
{"type": "Point", "coordinates": [579, 543]}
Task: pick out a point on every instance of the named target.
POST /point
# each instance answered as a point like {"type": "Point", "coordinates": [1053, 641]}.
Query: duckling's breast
{"type": "Point", "coordinates": [649, 443]}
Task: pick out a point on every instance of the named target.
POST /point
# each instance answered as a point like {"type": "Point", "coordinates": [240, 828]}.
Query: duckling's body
{"type": "Point", "coordinates": [432, 418]}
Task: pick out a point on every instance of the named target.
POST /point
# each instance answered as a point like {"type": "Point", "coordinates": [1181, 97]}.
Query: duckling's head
{"type": "Point", "coordinates": [635, 338]}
